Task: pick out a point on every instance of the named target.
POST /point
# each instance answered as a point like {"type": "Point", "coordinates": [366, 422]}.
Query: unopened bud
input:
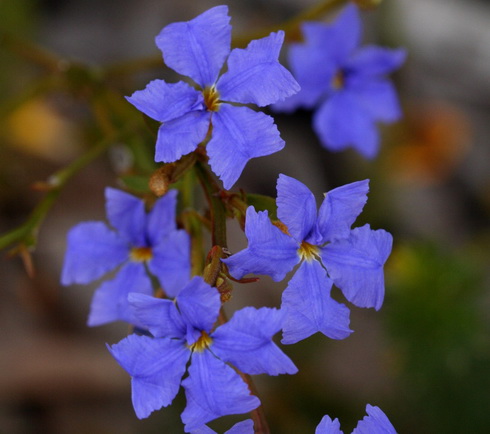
{"type": "Point", "coordinates": [159, 182]}
{"type": "Point", "coordinates": [225, 288]}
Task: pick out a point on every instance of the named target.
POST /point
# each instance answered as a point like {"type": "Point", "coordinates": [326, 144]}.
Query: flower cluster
{"type": "Point", "coordinates": [375, 422]}
{"type": "Point", "coordinates": [182, 332]}
{"type": "Point", "coordinates": [141, 240]}
{"type": "Point", "coordinates": [346, 84]}
{"type": "Point", "coordinates": [329, 252]}
{"type": "Point", "coordinates": [215, 106]}
{"type": "Point", "coordinates": [182, 336]}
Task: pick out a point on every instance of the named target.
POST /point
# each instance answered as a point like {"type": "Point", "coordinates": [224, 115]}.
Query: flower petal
{"type": "Point", "coordinates": [340, 209]}
{"type": "Point", "coordinates": [166, 101]}
{"type": "Point", "coordinates": [296, 207]}
{"type": "Point", "coordinates": [341, 122]}
{"type": "Point", "coordinates": [243, 427]}
{"type": "Point", "coordinates": [161, 218]}
{"type": "Point", "coordinates": [93, 250]}
{"type": "Point", "coordinates": [307, 97]}
{"type": "Point", "coordinates": [160, 316]}
{"type": "Point", "coordinates": [246, 342]}
{"type": "Point", "coordinates": [213, 389]}
{"type": "Point", "coordinates": [329, 426]}
{"type": "Point", "coordinates": [182, 135]}
{"type": "Point", "coordinates": [199, 304]}
{"type": "Point", "coordinates": [204, 430]}
{"type": "Point", "coordinates": [314, 69]}
{"type": "Point", "coordinates": [325, 50]}
{"type": "Point", "coordinates": [316, 61]}
{"type": "Point", "coordinates": [255, 75]}
{"type": "Point", "coordinates": [376, 422]}
{"type": "Point", "coordinates": [240, 134]}
{"type": "Point", "coordinates": [110, 301]}
{"type": "Point", "coordinates": [171, 262]}
{"type": "Point", "coordinates": [374, 61]}
{"type": "Point", "coordinates": [355, 264]}
{"type": "Point", "coordinates": [156, 367]}
{"type": "Point", "coordinates": [333, 42]}
{"type": "Point", "coordinates": [197, 48]}
{"type": "Point", "coordinates": [269, 250]}
{"type": "Point", "coordinates": [126, 213]}
{"type": "Point", "coordinates": [379, 99]}
{"type": "Point", "coordinates": [309, 307]}
{"type": "Point", "coordinates": [346, 33]}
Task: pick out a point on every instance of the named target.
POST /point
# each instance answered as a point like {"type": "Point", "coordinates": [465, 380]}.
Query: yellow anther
{"type": "Point", "coordinates": [308, 251]}
{"type": "Point", "coordinates": [211, 99]}
{"type": "Point", "coordinates": [202, 343]}
{"type": "Point", "coordinates": [141, 254]}
{"type": "Point", "coordinates": [338, 80]}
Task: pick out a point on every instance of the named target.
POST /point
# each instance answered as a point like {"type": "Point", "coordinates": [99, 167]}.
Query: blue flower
{"type": "Point", "coordinates": [345, 83]}
{"type": "Point", "coordinates": [199, 49]}
{"type": "Point", "coordinates": [243, 427]}
{"type": "Point", "coordinates": [329, 252]}
{"type": "Point", "coordinates": [183, 331]}
{"type": "Point", "coordinates": [375, 423]}
{"type": "Point", "coordinates": [141, 239]}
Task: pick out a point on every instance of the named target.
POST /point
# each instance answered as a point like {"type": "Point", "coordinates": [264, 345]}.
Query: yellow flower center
{"type": "Point", "coordinates": [211, 99]}
{"type": "Point", "coordinates": [308, 251]}
{"type": "Point", "coordinates": [202, 343]}
{"type": "Point", "coordinates": [338, 80]}
{"type": "Point", "coordinates": [141, 254]}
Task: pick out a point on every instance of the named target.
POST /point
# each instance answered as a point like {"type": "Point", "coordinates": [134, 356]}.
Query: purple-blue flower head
{"type": "Point", "coordinates": [329, 252]}
{"type": "Point", "coordinates": [183, 331]}
{"type": "Point", "coordinates": [376, 422]}
{"type": "Point", "coordinates": [139, 239]}
{"type": "Point", "coordinates": [345, 83]}
{"type": "Point", "coordinates": [243, 427]}
{"type": "Point", "coordinates": [199, 49]}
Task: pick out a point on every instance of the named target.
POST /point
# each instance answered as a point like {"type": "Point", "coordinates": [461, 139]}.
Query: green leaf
{"type": "Point", "coordinates": [136, 183]}
{"type": "Point", "coordinates": [263, 203]}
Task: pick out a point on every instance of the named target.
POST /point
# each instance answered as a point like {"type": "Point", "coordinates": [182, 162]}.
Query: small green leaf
{"type": "Point", "coordinates": [263, 203]}
{"type": "Point", "coordinates": [137, 183]}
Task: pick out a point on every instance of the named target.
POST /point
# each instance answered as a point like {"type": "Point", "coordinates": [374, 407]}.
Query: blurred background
{"type": "Point", "coordinates": [424, 358]}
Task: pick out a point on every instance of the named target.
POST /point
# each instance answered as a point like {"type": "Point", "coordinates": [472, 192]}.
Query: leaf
{"type": "Point", "coordinates": [263, 203]}
{"type": "Point", "coordinates": [136, 183]}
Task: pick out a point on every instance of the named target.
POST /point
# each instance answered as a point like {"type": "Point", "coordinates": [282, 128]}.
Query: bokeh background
{"type": "Point", "coordinates": [424, 358]}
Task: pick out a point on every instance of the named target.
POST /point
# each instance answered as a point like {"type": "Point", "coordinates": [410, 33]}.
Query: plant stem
{"type": "Point", "coordinates": [32, 52]}
{"type": "Point", "coordinates": [291, 27]}
{"type": "Point", "coordinates": [258, 415]}
{"type": "Point", "coordinates": [27, 232]}
{"type": "Point", "coordinates": [216, 206]}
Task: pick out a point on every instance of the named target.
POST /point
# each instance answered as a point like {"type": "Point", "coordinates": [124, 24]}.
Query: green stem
{"type": "Point", "coordinates": [291, 27]}
{"type": "Point", "coordinates": [30, 92]}
{"type": "Point", "coordinates": [133, 66]}
{"type": "Point", "coordinates": [27, 232]}
{"type": "Point", "coordinates": [258, 415]}
{"type": "Point", "coordinates": [32, 52]}
{"type": "Point", "coordinates": [191, 221]}
{"type": "Point", "coordinates": [216, 206]}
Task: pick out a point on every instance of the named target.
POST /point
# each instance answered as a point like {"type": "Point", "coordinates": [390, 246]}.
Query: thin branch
{"type": "Point", "coordinates": [291, 27]}
{"type": "Point", "coordinates": [27, 232]}
{"type": "Point", "coordinates": [32, 52]}
{"type": "Point", "coordinates": [258, 415]}
{"type": "Point", "coordinates": [216, 206]}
